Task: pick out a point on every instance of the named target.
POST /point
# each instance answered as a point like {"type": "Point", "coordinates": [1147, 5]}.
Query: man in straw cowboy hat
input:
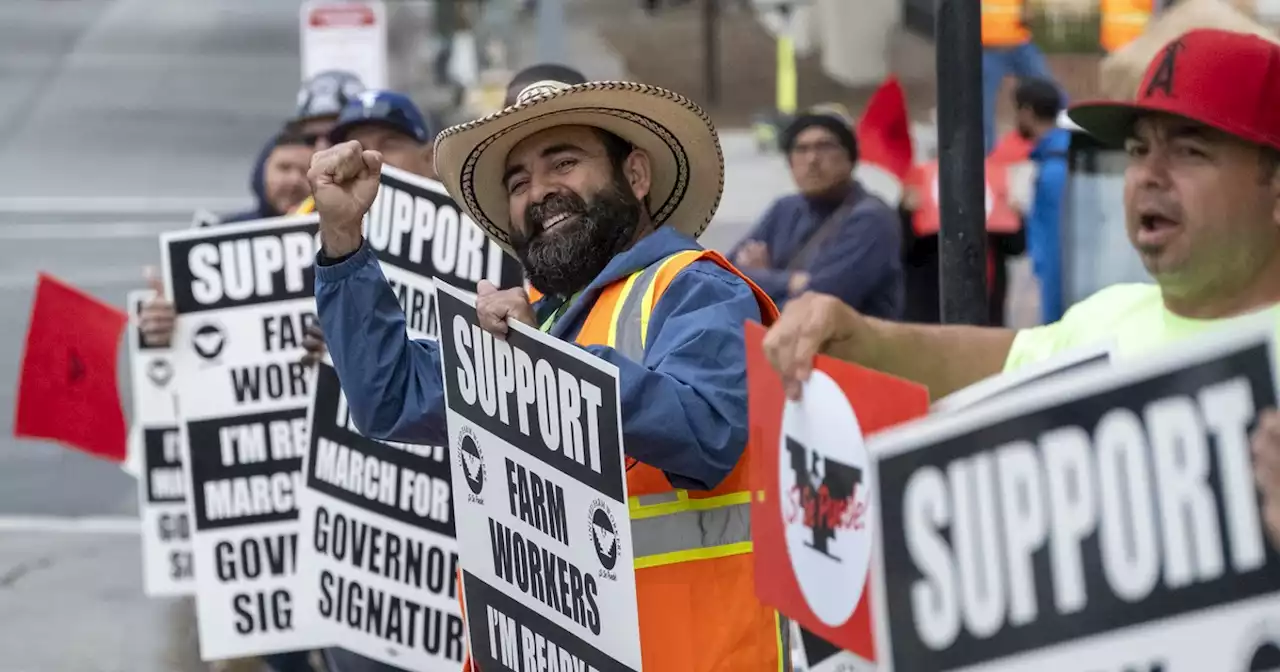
{"type": "Point", "coordinates": [1202, 209]}
{"type": "Point", "coordinates": [600, 189]}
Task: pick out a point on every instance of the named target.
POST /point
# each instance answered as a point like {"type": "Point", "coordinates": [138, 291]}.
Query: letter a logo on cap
{"type": "Point", "coordinates": [1162, 79]}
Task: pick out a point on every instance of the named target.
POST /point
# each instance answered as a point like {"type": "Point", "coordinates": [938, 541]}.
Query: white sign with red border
{"type": "Point", "coordinates": [349, 36]}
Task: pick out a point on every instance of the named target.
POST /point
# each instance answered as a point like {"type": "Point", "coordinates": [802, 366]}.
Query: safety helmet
{"type": "Point", "coordinates": [325, 94]}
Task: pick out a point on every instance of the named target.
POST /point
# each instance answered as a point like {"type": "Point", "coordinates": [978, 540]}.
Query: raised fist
{"type": "Point", "coordinates": [344, 182]}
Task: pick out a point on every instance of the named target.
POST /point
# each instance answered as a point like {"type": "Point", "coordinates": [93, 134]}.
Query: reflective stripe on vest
{"type": "Point", "coordinates": [671, 527]}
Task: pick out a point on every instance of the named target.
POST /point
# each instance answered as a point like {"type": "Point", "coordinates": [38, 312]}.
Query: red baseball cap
{"type": "Point", "coordinates": [1225, 80]}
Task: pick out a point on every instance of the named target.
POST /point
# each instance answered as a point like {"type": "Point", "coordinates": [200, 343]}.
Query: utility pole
{"type": "Point", "coordinates": [961, 152]}
{"type": "Point", "coordinates": [711, 50]}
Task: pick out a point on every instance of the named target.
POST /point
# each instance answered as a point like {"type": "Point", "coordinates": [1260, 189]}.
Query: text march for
{"type": "Point", "coordinates": [378, 560]}
{"type": "Point", "coordinates": [1105, 519]}
{"type": "Point", "coordinates": [244, 296]}
{"type": "Point", "coordinates": [541, 503]}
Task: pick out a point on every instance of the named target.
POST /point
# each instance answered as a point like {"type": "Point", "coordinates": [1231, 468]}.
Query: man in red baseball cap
{"type": "Point", "coordinates": [1202, 209]}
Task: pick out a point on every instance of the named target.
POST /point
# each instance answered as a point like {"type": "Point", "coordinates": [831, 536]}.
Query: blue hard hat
{"type": "Point", "coordinates": [325, 94]}
{"type": "Point", "coordinates": [384, 108]}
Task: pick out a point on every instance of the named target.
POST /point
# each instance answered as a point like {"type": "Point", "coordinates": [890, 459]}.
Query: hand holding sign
{"type": "Point", "coordinates": [313, 343]}
{"type": "Point", "coordinates": [156, 320]}
{"type": "Point", "coordinates": [1266, 469]}
{"type": "Point", "coordinates": [495, 306]}
{"type": "Point", "coordinates": [344, 180]}
{"type": "Point", "coordinates": [808, 324]}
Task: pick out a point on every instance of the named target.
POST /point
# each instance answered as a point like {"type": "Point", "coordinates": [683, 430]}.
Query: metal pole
{"type": "Point", "coordinates": [711, 50]}
{"type": "Point", "coordinates": [552, 33]}
{"type": "Point", "coordinates": [961, 185]}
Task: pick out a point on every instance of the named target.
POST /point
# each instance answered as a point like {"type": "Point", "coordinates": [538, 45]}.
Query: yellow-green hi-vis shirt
{"type": "Point", "coordinates": [1131, 317]}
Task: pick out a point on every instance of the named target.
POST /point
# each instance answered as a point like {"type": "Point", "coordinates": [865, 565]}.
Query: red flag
{"type": "Point", "coordinates": [884, 132]}
{"type": "Point", "coordinates": [68, 391]}
{"type": "Point", "coordinates": [811, 516]}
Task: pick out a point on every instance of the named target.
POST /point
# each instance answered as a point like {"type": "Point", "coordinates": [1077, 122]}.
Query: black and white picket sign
{"type": "Point", "coordinates": [541, 505]}
{"type": "Point", "coordinates": [243, 294]}
{"type": "Point", "coordinates": [410, 619]}
{"type": "Point", "coordinates": [996, 387]}
{"type": "Point", "coordinates": [162, 486]}
{"type": "Point", "coordinates": [378, 560]}
{"type": "Point", "coordinates": [1105, 519]}
{"type": "Point", "coordinates": [419, 234]}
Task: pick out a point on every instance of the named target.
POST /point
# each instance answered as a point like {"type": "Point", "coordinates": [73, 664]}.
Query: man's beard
{"type": "Point", "coordinates": [568, 257]}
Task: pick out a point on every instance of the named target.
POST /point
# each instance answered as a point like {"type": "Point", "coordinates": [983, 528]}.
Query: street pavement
{"type": "Point", "coordinates": [119, 118]}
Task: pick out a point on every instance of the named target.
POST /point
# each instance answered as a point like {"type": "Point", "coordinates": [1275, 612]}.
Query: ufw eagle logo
{"type": "Point", "coordinates": [824, 494]}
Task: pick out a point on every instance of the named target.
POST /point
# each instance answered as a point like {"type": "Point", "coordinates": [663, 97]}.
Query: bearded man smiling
{"type": "Point", "coordinates": [600, 189]}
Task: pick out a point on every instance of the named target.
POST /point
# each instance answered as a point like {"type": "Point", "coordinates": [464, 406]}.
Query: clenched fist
{"type": "Point", "coordinates": [344, 181]}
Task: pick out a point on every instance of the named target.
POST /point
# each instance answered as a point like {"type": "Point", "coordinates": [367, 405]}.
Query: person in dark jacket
{"type": "Point", "coordinates": [833, 236]}
{"type": "Point", "coordinates": [279, 179]}
{"type": "Point", "coordinates": [921, 268]}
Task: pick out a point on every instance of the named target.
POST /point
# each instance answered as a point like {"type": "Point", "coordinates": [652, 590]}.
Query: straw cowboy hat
{"type": "Point", "coordinates": [684, 151]}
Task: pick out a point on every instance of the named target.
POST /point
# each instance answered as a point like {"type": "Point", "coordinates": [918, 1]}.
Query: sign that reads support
{"type": "Point", "coordinates": [162, 486]}
{"type": "Point", "coordinates": [543, 528]}
{"type": "Point", "coordinates": [379, 561]}
{"type": "Point", "coordinates": [1103, 520]}
{"type": "Point", "coordinates": [243, 295]}
{"type": "Point", "coordinates": [418, 233]}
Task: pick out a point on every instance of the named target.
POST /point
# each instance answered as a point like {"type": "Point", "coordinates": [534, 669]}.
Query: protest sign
{"type": "Point", "coordinates": [243, 294]}
{"type": "Point", "coordinates": [203, 218]}
{"type": "Point", "coordinates": [418, 233]}
{"type": "Point", "coordinates": [998, 385]}
{"type": "Point", "coordinates": [378, 562]}
{"type": "Point", "coordinates": [162, 486]}
{"type": "Point", "coordinates": [1105, 519]}
{"type": "Point", "coordinates": [809, 519]}
{"type": "Point", "coordinates": [542, 519]}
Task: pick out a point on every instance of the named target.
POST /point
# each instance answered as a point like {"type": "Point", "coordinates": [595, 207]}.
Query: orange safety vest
{"type": "Point", "coordinates": [694, 576]}
{"type": "Point", "coordinates": [1001, 217]}
{"type": "Point", "coordinates": [1122, 22]}
{"type": "Point", "coordinates": [1003, 24]}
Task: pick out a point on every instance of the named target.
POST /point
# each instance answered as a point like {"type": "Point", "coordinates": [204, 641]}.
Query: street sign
{"type": "Point", "coordinates": [345, 35]}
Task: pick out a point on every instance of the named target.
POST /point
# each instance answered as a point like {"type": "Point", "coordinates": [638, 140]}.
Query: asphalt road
{"type": "Point", "coordinates": [118, 119]}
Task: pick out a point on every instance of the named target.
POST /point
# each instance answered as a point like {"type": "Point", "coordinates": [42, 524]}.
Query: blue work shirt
{"type": "Point", "coordinates": [684, 408]}
{"type": "Point", "coordinates": [1044, 228]}
{"type": "Point", "coordinates": [860, 262]}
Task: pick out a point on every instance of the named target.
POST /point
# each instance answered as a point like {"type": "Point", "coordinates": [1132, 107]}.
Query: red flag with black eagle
{"type": "Point", "coordinates": [68, 390]}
